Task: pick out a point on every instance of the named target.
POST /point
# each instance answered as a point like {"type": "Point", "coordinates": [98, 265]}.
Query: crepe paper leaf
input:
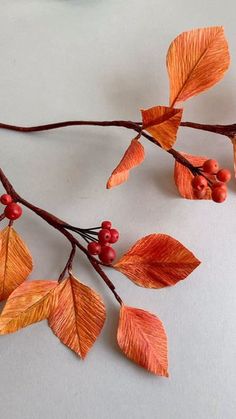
{"type": "Point", "coordinates": [162, 123]}
{"type": "Point", "coordinates": [133, 157]}
{"type": "Point", "coordinates": [196, 60]}
{"type": "Point", "coordinates": [157, 261]}
{"type": "Point", "coordinates": [31, 302]}
{"type": "Point", "coordinates": [142, 338]}
{"type": "Point", "coordinates": [15, 262]}
{"type": "Point", "coordinates": [78, 316]}
{"type": "Point", "coordinates": [183, 177]}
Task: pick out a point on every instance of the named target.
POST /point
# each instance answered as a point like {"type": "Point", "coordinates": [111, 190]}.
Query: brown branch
{"type": "Point", "coordinates": [61, 226]}
{"type": "Point", "coordinates": [136, 126]}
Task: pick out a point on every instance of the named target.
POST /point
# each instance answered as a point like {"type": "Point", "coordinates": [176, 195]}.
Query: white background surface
{"type": "Point", "coordinates": [103, 60]}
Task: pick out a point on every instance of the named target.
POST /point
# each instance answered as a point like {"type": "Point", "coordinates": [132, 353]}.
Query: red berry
{"type": "Point", "coordinates": [104, 235]}
{"type": "Point", "coordinates": [107, 254]}
{"type": "Point", "coordinates": [13, 211]}
{"type": "Point", "coordinates": [219, 185]}
{"type": "Point", "coordinates": [211, 166]}
{"type": "Point", "coordinates": [200, 194]}
{"type": "Point", "coordinates": [94, 248]}
{"type": "Point", "coordinates": [199, 183]}
{"type": "Point", "coordinates": [6, 199]}
{"type": "Point", "coordinates": [106, 224]}
{"type": "Point", "coordinates": [114, 235]}
{"type": "Point", "coordinates": [219, 195]}
{"type": "Point", "coordinates": [223, 175]}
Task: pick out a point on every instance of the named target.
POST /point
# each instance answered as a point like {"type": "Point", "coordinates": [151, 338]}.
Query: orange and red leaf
{"type": "Point", "coordinates": [133, 157]}
{"type": "Point", "coordinates": [15, 262]}
{"type": "Point", "coordinates": [196, 60]}
{"type": "Point", "coordinates": [31, 302]}
{"type": "Point", "coordinates": [157, 261]}
{"type": "Point", "coordinates": [142, 338]}
{"type": "Point", "coordinates": [78, 316]}
{"type": "Point", "coordinates": [162, 123]}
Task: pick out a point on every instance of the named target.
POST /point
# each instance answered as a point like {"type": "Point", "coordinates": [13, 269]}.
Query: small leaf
{"type": "Point", "coordinates": [196, 60]}
{"type": "Point", "coordinates": [78, 316]}
{"type": "Point", "coordinates": [133, 157]}
{"type": "Point", "coordinates": [15, 262]}
{"type": "Point", "coordinates": [31, 302]}
{"type": "Point", "coordinates": [142, 337]}
{"type": "Point", "coordinates": [157, 261]}
{"type": "Point", "coordinates": [162, 123]}
{"type": "Point", "coordinates": [183, 177]}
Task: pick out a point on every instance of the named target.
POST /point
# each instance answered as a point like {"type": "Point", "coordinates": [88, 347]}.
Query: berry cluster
{"type": "Point", "coordinates": [217, 183]}
{"type": "Point", "coordinates": [12, 210]}
{"type": "Point", "coordinates": [102, 248]}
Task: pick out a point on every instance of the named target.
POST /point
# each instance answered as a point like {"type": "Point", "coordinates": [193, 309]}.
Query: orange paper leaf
{"type": "Point", "coordinates": [31, 302]}
{"type": "Point", "coordinates": [157, 261]}
{"type": "Point", "coordinates": [15, 262]}
{"type": "Point", "coordinates": [78, 317]}
{"type": "Point", "coordinates": [142, 337]}
{"type": "Point", "coordinates": [183, 177]}
{"type": "Point", "coordinates": [133, 156]}
{"type": "Point", "coordinates": [162, 123]}
{"type": "Point", "coordinates": [196, 60]}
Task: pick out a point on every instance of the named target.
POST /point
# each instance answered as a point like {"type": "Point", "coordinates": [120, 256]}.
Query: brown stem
{"type": "Point", "coordinates": [69, 263]}
{"type": "Point", "coordinates": [227, 130]}
{"type": "Point", "coordinates": [136, 126]}
{"type": "Point", "coordinates": [59, 225]}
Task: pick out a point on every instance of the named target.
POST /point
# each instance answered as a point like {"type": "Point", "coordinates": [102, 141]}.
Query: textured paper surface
{"type": "Point", "coordinates": [70, 59]}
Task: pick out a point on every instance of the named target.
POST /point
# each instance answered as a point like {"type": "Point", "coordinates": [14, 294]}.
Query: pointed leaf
{"type": "Point", "coordinates": [142, 337]}
{"type": "Point", "coordinates": [183, 177]}
{"type": "Point", "coordinates": [162, 123]}
{"type": "Point", "coordinates": [196, 60]}
{"type": "Point", "coordinates": [15, 262]}
{"type": "Point", "coordinates": [133, 157]}
{"type": "Point", "coordinates": [31, 302]}
{"type": "Point", "coordinates": [157, 261]}
{"type": "Point", "coordinates": [78, 317]}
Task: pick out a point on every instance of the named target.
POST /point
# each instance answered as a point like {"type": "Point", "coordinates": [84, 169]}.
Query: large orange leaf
{"type": "Point", "coordinates": [15, 262]}
{"type": "Point", "coordinates": [142, 337]}
{"type": "Point", "coordinates": [162, 123]}
{"type": "Point", "coordinates": [183, 177]}
{"type": "Point", "coordinates": [157, 261]}
{"type": "Point", "coordinates": [133, 156]}
{"type": "Point", "coordinates": [78, 316]}
{"type": "Point", "coordinates": [31, 302]}
{"type": "Point", "coordinates": [196, 60]}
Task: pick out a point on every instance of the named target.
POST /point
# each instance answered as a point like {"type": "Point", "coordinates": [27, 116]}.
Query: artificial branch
{"type": "Point", "coordinates": [227, 130]}
{"type": "Point", "coordinates": [63, 227]}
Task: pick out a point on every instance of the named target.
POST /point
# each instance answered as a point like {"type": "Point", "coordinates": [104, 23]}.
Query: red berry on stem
{"type": "Point", "coordinates": [219, 195]}
{"type": "Point", "coordinates": [107, 254]}
{"type": "Point", "coordinates": [94, 248]}
{"type": "Point", "coordinates": [106, 224]}
{"type": "Point", "coordinates": [104, 235]}
{"type": "Point", "coordinates": [224, 175]}
{"type": "Point", "coordinates": [6, 199]}
{"type": "Point", "coordinates": [13, 211]}
{"type": "Point", "coordinates": [219, 185]}
{"type": "Point", "coordinates": [199, 183]}
{"type": "Point", "coordinates": [114, 235]}
{"type": "Point", "coordinates": [211, 166]}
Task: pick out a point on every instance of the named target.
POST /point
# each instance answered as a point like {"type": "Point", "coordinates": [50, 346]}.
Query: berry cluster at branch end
{"type": "Point", "coordinates": [217, 181]}
{"type": "Point", "coordinates": [12, 210]}
{"type": "Point", "coordinates": [103, 247]}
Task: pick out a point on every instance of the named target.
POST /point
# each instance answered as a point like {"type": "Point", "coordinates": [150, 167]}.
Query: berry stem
{"type": "Point", "coordinates": [59, 225]}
